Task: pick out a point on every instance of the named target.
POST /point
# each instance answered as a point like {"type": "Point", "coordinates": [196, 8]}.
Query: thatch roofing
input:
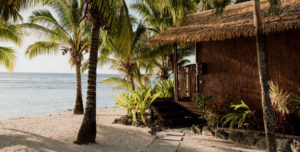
{"type": "Point", "coordinates": [237, 21]}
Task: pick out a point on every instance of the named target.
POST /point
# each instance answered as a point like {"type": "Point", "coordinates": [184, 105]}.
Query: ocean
{"type": "Point", "coordinates": [23, 94]}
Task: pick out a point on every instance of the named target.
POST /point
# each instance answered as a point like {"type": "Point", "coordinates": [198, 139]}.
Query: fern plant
{"type": "Point", "coordinates": [239, 117]}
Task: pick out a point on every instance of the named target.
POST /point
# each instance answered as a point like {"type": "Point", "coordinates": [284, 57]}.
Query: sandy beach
{"type": "Point", "coordinates": [56, 133]}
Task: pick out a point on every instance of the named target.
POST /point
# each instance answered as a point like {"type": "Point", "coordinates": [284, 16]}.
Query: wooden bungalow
{"type": "Point", "coordinates": [226, 61]}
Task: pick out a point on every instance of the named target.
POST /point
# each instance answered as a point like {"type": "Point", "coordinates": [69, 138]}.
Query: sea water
{"type": "Point", "coordinates": [24, 94]}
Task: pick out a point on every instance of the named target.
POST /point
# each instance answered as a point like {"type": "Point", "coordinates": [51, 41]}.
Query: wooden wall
{"type": "Point", "coordinates": [232, 67]}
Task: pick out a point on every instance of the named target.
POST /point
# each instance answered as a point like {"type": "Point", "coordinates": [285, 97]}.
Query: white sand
{"type": "Point", "coordinates": [56, 133]}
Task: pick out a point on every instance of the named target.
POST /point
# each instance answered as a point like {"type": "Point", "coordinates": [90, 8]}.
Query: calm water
{"type": "Point", "coordinates": [32, 93]}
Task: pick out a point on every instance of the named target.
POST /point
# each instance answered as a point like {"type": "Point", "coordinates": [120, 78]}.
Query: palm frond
{"type": "Point", "coordinates": [119, 83]}
{"type": "Point", "coordinates": [7, 57]}
{"type": "Point", "coordinates": [42, 47]}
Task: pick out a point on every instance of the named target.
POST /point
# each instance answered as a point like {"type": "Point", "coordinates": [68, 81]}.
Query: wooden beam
{"type": "Point", "coordinates": [176, 72]}
{"type": "Point", "coordinates": [198, 66]}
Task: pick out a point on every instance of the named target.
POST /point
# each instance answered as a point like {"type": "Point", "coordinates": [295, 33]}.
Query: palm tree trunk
{"type": "Point", "coordinates": [78, 109]}
{"type": "Point", "coordinates": [131, 81]}
{"type": "Point", "coordinates": [268, 113]}
{"type": "Point", "coordinates": [87, 132]}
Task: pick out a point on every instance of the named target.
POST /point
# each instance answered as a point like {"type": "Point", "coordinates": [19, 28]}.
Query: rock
{"type": "Point", "coordinates": [283, 145]}
{"type": "Point", "coordinates": [196, 129]}
{"type": "Point", "coordinates": [261, 143]}
{"type": "Point", "coordinates": [222, 134]}
{"type": "Point", "coordinates": [295, 146]}
{"type": "Point", "coordinates": [207, 131]}
{"type": "Point", "coordinates": [249, 140]}
{"type": "Point", "coordinates": [236, 136]}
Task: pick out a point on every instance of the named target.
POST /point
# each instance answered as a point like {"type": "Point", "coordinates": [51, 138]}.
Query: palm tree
{"type": "Point", "coordinates": [65, 32]}
{"type": "Point", "coordinates": [159, 15]}
{"type": "Point", "coordinates": [126, 58]}
{"type": "Point", "coordinates": [105, 15]}
{"type": "Point", "coordinates": [9, 9]}
{"type": "Point", "coordinates": [9, 32]}
{"type": "Point", "coordinates": [268, 112]}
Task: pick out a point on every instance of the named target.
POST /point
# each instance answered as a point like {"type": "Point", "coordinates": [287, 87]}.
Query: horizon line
{"type": "Point", "coordinates": [54, 73]}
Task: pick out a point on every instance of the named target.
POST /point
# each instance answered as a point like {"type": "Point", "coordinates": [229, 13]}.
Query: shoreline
{"type": "Point", "coordinates": [52, 113]}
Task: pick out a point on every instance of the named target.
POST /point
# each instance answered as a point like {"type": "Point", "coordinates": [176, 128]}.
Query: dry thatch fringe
{"type": "Point", "coordinates": [237, 21]}
{"type": "Point", "coordinates": [279, 98]}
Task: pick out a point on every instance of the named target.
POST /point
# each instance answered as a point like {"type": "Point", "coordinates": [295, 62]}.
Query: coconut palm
{"type": "Point", "coordinates": [105, 15]}
{"type": "Point", "coordinates": [66, 33]}
{"type": "Point", "coordinates": [158, 19]}
{"type": "Point", "coordinates": [9, 9]}
{"type": "Point", "coordinates": [268, 112]}
{"type": "Point", "coordinates": [126, 59]}
{"type": "Point", "coordinates": [9, 32]}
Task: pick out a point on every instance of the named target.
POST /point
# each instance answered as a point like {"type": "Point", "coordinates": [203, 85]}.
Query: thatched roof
{"type": "Point", "coordinates": [237, 21]}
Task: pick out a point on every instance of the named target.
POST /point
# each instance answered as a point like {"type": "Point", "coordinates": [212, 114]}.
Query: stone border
{"type": "Point", "coordinates": [285, 143]}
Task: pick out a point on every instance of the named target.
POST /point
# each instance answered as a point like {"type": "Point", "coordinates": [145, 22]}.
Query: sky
{"type": "Point", "coordinates": [46, 63]}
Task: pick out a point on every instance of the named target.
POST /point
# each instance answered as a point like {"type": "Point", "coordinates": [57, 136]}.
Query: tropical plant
{"type": "Point", "coordinates": [279, 98]}
{"type": "Point", "coordinates": [201, 102]}
{"type": "Point", "coordinates": [126, 100]}
{"type": "Point", "coordinates": [239, 117]}
{"type": "Point", "coordinates": [9, 32]}
{"type": "Point", "coordinates": [158, 16]}
{"type": "Point", "coordinates": [10, 9]}
{"type": "Point", "coordinates": [144, 100]}
{"type": "Point", "coordinates": [109, 16]}
{"type": "Point", "coordinates": [209, 113]}
{"type": "Point", "coordinates": [166, 87]}
{"type": "Point", "coordinates": [127, 59]}
{"type": "Point", "coordinates": [295, 97]}
{"type": "Point", "coordinates": [135, 101]}
{"type": "Point", "coordinates": [66, 33]}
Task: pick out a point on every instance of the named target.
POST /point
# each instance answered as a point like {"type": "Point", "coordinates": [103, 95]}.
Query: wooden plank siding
{"type": "Point", "coordinates": [232, 67]}
{"type": "Point", "coordinates": [182, 83]}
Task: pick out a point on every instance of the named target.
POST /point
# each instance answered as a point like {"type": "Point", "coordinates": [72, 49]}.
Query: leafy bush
{"type": "Point", "coordinates": [126, 100]}
{"type": "Point", "coordinates": [135, 101]}
{"type": "Point", "coordinates": [239, 117]}
{"type": "Point", "coordinates": [200, 102]}
{"type": "Point", "coordinates": [279, 99]}
{"type": "Point", "coordinates": [166, 87]}
{"type": "Point", "coordinates": [296, 102]}
{"type": "Point", "coordinates": [144, 99]}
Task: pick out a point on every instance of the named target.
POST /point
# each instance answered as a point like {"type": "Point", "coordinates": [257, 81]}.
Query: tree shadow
{"type": "Point", "coordinates": [109, 138]}
{"type": "Point", "coordinates": [33, 141]}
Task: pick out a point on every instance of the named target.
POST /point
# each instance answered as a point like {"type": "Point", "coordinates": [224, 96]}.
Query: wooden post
{"type": "Point", "coordinates": [198, 66]}
{"type": "Point", "coordinates": [175, 72]}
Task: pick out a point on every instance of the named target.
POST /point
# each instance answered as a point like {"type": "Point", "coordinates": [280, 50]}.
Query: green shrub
{"type": "Point", "coordinates": [239, 117]}
{"type": "Point", "coordinates": [200, 102]}
{"type": "Point", "coordinates": [165, 87]}
{"type": "Point", "coordinates": [296, 102]}
{"type": "Point", "coordinates": [279, 99]}
{"type": "Point", "coordinates": [135, 101]}
{"type": "Point", "coordinates": [126, 100]}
